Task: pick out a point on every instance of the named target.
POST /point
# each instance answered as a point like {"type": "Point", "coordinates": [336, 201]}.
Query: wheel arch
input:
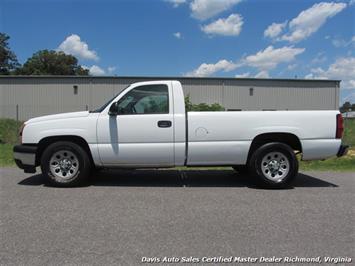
{"type": "Point", "coordinates": [289, 139]}
{"type": "Point", "coordinates": [45, 142]}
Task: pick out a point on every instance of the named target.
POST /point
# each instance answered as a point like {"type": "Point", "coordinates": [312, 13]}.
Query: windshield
{"type": "Point", "coordinates": [99, 110]}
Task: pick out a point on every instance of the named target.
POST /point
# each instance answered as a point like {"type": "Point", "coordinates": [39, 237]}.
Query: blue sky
{"type": "Point", "coordinates": [228, 38]}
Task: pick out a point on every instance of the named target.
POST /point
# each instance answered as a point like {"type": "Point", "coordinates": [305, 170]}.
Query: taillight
{"type": "Point", "coordinates": [340, 127]}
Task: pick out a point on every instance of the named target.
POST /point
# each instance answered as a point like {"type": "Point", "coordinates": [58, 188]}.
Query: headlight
{"type": "Point", "coordinates": [20, 132]}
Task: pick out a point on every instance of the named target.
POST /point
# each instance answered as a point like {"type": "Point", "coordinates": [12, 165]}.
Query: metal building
{"type": "Point", "coordinates": [23, 97]}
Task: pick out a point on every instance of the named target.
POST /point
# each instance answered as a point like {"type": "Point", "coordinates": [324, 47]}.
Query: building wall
{"type": "Point", "coordinates": [26, 97]}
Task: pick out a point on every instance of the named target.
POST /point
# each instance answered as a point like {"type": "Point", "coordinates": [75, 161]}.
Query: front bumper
{"type": "Point", "coordinates": [343, 150]}
{"type": "Point", "coordinates": [25, 157]}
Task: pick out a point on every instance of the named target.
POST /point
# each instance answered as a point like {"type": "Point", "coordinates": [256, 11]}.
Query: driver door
{"type": "Point", "coordinates": [142, 132]}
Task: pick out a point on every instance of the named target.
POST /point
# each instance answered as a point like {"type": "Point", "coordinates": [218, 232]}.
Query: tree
{"type": "Point", "coordinates": [8, 60]}
{"type": "Point", "coordinates": [202, 106]}
{"type": "Point", "coordinates": [346, 107]}
{"type": "Point", "coordinates": [49, 62]}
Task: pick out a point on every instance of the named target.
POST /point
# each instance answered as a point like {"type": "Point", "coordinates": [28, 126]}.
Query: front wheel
{"type": "Point", "coordinates": [65, 164]}
{"type": "Point", "coordinates": [274, 165]}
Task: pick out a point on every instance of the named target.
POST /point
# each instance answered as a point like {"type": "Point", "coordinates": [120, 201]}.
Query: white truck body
{"type": "Point", "coordinates": [192, 139]}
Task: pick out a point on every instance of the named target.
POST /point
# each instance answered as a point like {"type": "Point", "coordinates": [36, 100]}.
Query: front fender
{"type": "Point", "coordinates": [84, 127]}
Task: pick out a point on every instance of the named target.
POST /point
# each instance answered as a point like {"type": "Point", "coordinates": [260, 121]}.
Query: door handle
{"type": "Point", "coordinates": [164, 123]}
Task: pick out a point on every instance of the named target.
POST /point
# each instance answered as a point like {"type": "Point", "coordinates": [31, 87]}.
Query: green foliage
{"type": "Point", "coordinates": [346, 107]}
{"type": "Point", "coordinates": [49, 62]}
{"type": "Point", "coordinates": [44, 62]}
{"type": "Point", "coordinates": [6, 155]}
{"type": "Point", "coordinates": [8, 137]}
{"type": "Point", "coordinates": [349, 132]}
{"type": "Point", "coordinates": [201, 106]}
{"type": "Point", "coordinates": [8, 60]}
{"type": "Point", "coordinates": [9, 130]}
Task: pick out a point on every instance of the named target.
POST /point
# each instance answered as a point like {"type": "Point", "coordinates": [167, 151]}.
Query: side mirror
{"type": "Point", "coordinates": [113, 109]}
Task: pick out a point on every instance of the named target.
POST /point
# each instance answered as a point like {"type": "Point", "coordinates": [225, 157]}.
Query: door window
{"type": "Point", "coordinates": [148, 99]}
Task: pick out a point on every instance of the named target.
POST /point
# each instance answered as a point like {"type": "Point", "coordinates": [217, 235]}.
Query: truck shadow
{"type": "Point", "coordinates": [178, 178]}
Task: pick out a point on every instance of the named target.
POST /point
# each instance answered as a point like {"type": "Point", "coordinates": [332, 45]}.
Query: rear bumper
{"type": "Point", "coordinates": [343, 150]}
{"type": "Point", "coordinates": [25, 157]}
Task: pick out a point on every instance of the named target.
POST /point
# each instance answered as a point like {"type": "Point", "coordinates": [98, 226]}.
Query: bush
{"type": "Point", "coordinates": [9, 130]}
{"type": "Point", "coordinates": [202, 107]}
{"type": "Point", "coordinates": [349, 132]}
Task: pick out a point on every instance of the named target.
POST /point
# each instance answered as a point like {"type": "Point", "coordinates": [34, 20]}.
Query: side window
{"type": "Point", "coordinates": [149, 99]}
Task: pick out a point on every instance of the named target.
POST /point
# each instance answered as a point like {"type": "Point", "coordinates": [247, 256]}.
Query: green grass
{"type": "Point", "coordinates": [8, 138]}
{"type": "Point", "coordinates": [6, 158]}
{"type": "Point", "coordinates": [349, 133]}
{"type": "Point", "coordinates": [9, 129]}
{"type": "Point", "coordinates": [346, 163]}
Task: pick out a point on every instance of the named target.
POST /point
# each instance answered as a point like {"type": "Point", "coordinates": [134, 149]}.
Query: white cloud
{"type": "Point", "coordinates": [205, 70]}
{"type": "Point", "coordinates": [291, 67]}
{"type": "Point", "coordinates": [340, 43]}
{"type": "Point", "coordinates": [111, 69]}
{"type": "Point", "coordinates": [262, 74]}
{"type": "Point", "coordinates": [311, 19]}
{"type": "Point", "coordinates": [98, 71]}
{"type": "Point", "coordinates": [95, 70]}
{"type": "Point", "coordinates": [204, 9]}
{"type": "Point", "coordinates": [177, 35]}
{"type": "Point", "coordinates": [230, 26]}
{"type": "Point", "coordinates": [274, 29]}
{"type": "Point", "coordinates": [309, 76]}
{"type": "Point", "coordinates": [313, 76]}
{"type": "Point", "coordinates": [264, 60]}
{"type": "Point", "coordinates": [343, 69]}
{"type": "Point", "coordinates": [75, 46]}
{"type": "Point", "coordinates": [349, 98]}
{"type": "Point", "coordinates": [319, 58]}
{"type": "Point", "coordinates": [176, 3]}
{"type": "Point", "coordinates": [269, 58]}
{"type": "Point", "coordinates": [243, 75]}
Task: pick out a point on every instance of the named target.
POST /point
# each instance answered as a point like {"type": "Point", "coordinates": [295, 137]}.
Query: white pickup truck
{"type": "Point", "coordinates": [146, 125]}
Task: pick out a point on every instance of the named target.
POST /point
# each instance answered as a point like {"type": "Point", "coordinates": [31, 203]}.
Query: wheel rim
{"type": "Point", "coordinates": [275, 166]}
{"type": "Point", "coordinates": [64, 164]}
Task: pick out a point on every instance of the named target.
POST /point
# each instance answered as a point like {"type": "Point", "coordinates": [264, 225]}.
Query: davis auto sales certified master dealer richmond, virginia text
{"type": "Point", "coordinates": [232, 259]}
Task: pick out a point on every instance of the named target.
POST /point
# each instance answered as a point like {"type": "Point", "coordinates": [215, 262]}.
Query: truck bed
{"type": "Point", "coordinates": [226, 136]}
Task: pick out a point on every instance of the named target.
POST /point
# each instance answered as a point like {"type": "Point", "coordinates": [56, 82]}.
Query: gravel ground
{"type": "Point", "coordinates": [123, 216]}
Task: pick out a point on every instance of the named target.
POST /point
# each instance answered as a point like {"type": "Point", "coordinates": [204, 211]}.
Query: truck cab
{"type": "Point", "coordinates": [146, 127]}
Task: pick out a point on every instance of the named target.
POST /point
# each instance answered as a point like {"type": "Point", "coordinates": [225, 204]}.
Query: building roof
{"type": "Point", "coordinates": [170, 78]}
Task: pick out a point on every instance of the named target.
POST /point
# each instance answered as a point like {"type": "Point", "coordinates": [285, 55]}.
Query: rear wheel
{"type": "Point", "coordinates": [274, 165]}
{"type": "Point", "coordinates": [65, 164]}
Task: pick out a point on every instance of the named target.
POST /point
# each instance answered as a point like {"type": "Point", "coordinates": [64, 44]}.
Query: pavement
{"type": "Point", "coordinates": [124, 217]}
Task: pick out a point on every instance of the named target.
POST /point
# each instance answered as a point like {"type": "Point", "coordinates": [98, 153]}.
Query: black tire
{"type": "Point", "coordinates": [241, 169]}
{"type": "Point", "coordinates": [81, 164]}
{"type": "Point", "coordinates": [260, 169]}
